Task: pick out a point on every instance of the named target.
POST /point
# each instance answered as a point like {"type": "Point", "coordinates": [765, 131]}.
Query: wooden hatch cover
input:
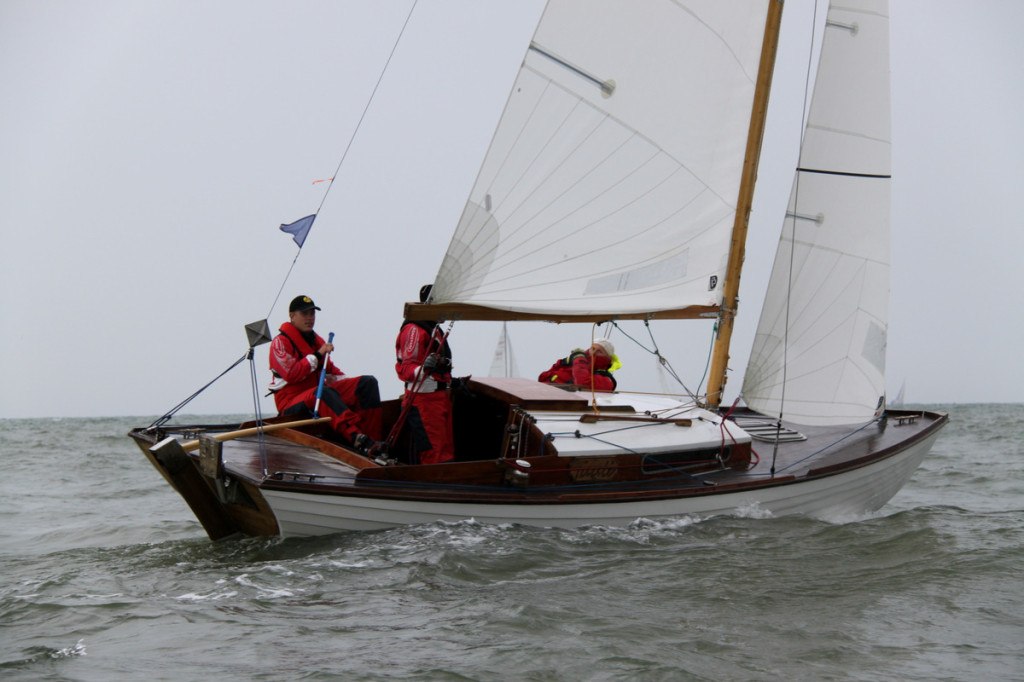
{"type": "Point", "coordinates": [529, 394]}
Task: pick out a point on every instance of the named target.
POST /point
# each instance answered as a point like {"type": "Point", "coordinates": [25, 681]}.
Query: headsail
{"type": "Point", "coordinates": [610, 185]}
{"type": "Point", "coordinates": [821, 340]}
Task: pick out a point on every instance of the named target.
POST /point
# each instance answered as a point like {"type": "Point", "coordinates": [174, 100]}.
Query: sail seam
{"type": "Point", "coordinates": [637, 133]}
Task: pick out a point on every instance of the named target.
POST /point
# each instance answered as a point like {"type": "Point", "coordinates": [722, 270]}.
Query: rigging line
{"type": "Point", "coordinates": [368, 103]}
{"type": "Point", "coordinates": [665, 465]}
{"type": "Point", "coordinates": [645, 458]}
{"type": "Point", "coordinates": [593, 361]}
{"type": "Point", "coordinates": [579, 434]}
{"type": "Point", "coordinates": [707, 364]}
{"type": "Point", "coordinates": [255, 385]}
{"type": "Point", "coordinates": [348, 146]}
{"type": "Point", "coordinates": [417, 383]}
{"type": "Point", "coordinates": [792, 249]}
{"type": "Point", "coordinates": [593, 394]}
{"type": "Point", "coordinates": [626, 334]}
{"type": "Point", "coordinates": [283, 282]}
{"type": "Point", "coordinates": [833, 443]}
{"type": "Point", "coordinates": [170, 413]}
{"type": "Point", "coordinates": [663, 361]}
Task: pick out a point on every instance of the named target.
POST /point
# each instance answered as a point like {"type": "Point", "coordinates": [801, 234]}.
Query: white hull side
{"type": "Point", "coordinates": [853, 492]}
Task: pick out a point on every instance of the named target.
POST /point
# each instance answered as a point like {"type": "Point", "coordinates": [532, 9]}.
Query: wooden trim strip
{"type": "Point", "coordinates": [440, 312]}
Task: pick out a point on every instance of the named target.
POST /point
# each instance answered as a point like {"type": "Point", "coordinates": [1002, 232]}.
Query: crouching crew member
{"type": "Point", "coordinates": [592, 367]}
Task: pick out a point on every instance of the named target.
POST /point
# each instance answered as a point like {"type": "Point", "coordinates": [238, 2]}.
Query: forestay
{"type": "Point", "coordinates": [824, 322]}
{"type": "Point", "coordinates": [610, 185]}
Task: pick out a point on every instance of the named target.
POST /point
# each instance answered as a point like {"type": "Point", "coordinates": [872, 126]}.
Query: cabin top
{"type": "Point", "coordinates": [529, 394]}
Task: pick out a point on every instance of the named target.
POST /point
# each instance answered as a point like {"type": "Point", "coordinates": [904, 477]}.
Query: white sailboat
{"type": "Point", "coordinates": [504, 362]}
{"type": "Point", "coordinates": [900, 398]}
{"type": "Point", "coordinates": [617, 186]}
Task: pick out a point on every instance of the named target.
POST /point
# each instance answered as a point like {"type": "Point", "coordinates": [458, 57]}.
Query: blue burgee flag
{"type": "Point", "coordinates": [299, 229]}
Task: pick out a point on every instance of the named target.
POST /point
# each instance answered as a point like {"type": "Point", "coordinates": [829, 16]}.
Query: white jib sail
{"type": "Point", "coordinates": [823, 326]}
{"type": "Point", "coordinates": [611, 182]}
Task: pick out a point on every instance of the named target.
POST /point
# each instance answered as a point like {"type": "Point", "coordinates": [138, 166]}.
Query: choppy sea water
{"type": "Point", "coordinates": [105, 575]}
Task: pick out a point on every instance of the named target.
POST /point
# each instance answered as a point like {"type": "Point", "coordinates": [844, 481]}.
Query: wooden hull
{"type": "Point", "coordinates": [851, 493]}
{"type": "Point", "coordinates": [297, 482]}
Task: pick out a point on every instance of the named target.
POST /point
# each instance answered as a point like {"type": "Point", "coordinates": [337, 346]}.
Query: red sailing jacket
{"type": "Point", "coordinates": [295, 367]}
{"type": "Point", "coordinates": [575, 369]}
{"type": "Point", "coordinates": [415, 341]}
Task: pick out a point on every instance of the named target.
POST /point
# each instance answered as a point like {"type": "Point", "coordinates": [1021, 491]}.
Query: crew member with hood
{"type": "Point", "coordinates": [423, 360]}
{"type": "Point", "coordinates": [588, 368]}
{"type": "Point", "coordinates": [297, 355]}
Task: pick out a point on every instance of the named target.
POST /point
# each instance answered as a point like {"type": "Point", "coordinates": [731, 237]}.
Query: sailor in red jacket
{"type": "Point", "coordinates": [353, 403]}
{"type": "Point", "coordinates": [592, 367]}
{"type": "Point", "coordinates": [423, 360]}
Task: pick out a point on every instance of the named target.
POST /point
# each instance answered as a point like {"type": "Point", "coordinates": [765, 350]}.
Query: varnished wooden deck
{"type": "Point", "coordinates": [282, 463]}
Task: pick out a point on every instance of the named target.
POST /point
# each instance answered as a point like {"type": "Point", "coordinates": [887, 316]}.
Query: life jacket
{"type": "Point", "coordinates": [561, 371]}
{"type": "Point", "coordinates": [285, 390]}
{"type": "Point", "coordinates": [417, 356]}
{"type": "Point", "coordinates": [429, 328]}
{"type": "Point", "coordinates": [595, 372]}
{"type": "Point", "coordinates": [575, 369]}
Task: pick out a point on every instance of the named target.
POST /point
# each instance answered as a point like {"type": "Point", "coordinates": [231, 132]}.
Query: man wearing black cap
{"type": "Point", "coordinates": [353, 403]}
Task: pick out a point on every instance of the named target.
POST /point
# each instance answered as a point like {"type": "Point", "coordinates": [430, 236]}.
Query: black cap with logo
{"type": "Point", "coordinates": [300, 303]}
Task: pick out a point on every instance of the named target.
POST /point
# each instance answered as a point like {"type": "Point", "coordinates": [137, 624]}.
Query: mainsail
{"type": "Point", "coordinates": [819, 351]}
{"type": "Point", "coordinates": [610, 185]}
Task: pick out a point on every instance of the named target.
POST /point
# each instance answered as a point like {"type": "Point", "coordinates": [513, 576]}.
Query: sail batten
{"type": "Point", "coordinates": [822, 171]}
{"type": "Point", "coordinates": [607, 87]}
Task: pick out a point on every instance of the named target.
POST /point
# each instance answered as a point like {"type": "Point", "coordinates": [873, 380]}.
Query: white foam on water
{"type": "Point", "coordinates": [70, 652]}
{"type": "Point", "coordinates": [195, 597]}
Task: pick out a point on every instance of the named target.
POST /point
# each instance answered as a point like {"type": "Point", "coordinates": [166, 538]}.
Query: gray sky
{"type": "Point", "coordinates": [149, 151]}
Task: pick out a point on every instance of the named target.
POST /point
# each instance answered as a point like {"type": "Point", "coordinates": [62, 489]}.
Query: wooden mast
{"type": "Point", "coordinates": [730, 295]}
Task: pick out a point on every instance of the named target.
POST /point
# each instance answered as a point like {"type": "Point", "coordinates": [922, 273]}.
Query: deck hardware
{"type": "Point", "coordinates": [211, 457]}
{"type": "Point", "coordinates": [517, 472]}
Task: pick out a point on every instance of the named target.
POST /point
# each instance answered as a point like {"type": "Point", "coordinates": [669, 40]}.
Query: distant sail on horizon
{"type": "Point", "coordinates": [504, 362]}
